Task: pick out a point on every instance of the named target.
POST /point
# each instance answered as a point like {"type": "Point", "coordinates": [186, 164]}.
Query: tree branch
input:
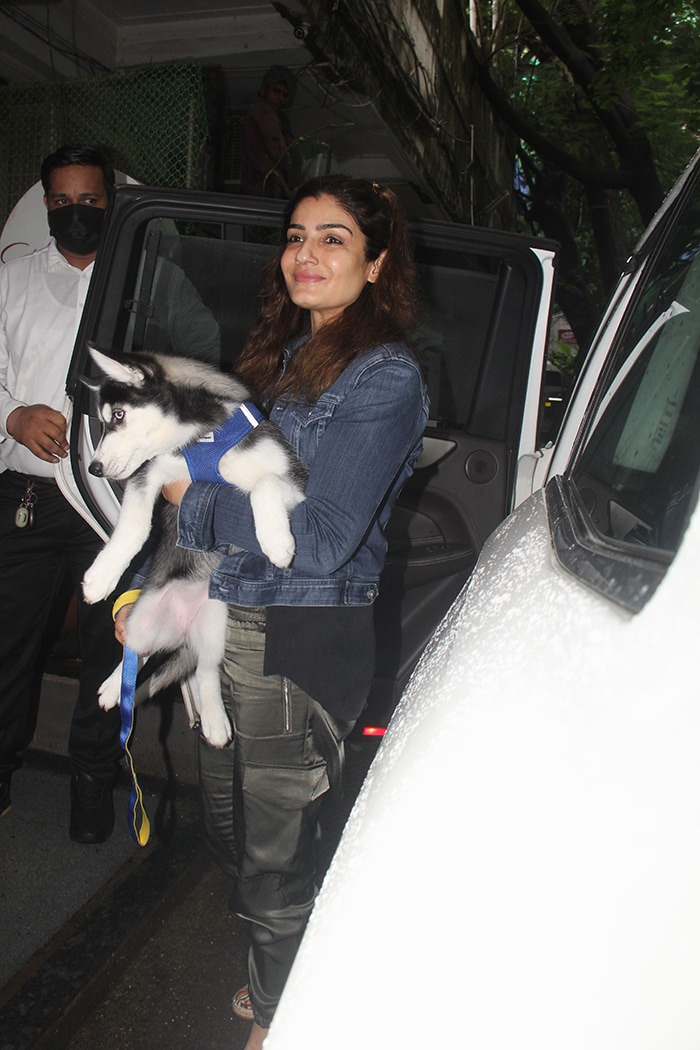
{"type": "Point", "coordinates": [609, 178]}
{"type": "Point", "coordinates": [620, 120]}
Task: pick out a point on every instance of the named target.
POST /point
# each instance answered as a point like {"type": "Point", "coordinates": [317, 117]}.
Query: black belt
{"type": "Point", "coordinates": [20, 476]}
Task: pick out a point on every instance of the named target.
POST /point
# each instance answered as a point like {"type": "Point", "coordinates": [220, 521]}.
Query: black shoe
{"type": "Point", "coordinates": [5, 802]}
{"type": "Point", "coordinates": [91, 809]}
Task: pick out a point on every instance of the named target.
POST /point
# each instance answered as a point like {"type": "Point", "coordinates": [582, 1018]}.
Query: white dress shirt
{"type": "Point", "coordinates": [41, 303]}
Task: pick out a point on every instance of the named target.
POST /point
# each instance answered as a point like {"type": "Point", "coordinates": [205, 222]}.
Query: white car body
{"type": "Point", "coordinates": [522, 865]}
{"type": "Point", "coordinates": [521, 868]}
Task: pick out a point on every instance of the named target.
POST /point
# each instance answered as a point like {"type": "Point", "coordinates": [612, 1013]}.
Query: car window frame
{"type": "Point", "coordinates": [623, 572]}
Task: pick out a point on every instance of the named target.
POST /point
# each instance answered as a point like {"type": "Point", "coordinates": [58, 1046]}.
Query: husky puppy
{"type": "Point", "coordinates": [152, 407]}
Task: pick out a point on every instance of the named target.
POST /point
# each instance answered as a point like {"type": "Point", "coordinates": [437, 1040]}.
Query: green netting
{"type": "Point", "coordinates": [150, 123]}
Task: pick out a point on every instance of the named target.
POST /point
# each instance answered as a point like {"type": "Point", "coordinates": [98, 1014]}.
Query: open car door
{"type": "Point", "coordinates": [179, 272]}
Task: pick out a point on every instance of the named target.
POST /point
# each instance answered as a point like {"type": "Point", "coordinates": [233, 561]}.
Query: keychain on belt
{"type": "Point", "coordinates": [24, 517]}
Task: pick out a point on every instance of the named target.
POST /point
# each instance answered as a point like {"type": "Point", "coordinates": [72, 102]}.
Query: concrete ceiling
{"type": "Point", "coordinates": [40, 39]}
{"type": "Point", "coordinates": [122, 11]}
{"type": "Point", "coordinates": [49, 39]}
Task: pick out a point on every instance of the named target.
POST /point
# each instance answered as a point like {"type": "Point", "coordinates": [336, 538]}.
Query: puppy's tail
{"type": "Point", "coordinates": [173, 668]}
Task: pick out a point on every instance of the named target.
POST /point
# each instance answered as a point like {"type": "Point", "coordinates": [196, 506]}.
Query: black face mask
{"type": "Point", "coordinates": [76, 227]}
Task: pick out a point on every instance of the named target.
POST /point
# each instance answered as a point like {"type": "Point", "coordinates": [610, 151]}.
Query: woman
{"type": "Point", "coordinates": [329, 358]}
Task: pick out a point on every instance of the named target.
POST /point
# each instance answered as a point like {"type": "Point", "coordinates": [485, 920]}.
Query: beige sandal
{"type": "Point", "coordinates": [242, 1006]}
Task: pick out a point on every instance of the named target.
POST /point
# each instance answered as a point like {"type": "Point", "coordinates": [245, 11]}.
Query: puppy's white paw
{"type": "Point", "coordinates": [100, 579]}
{"type": "Point", "coordinates": [216, 728]}
{"type": "Point", "coordinates": [279, 547]}
{"type": "Point", "coordinates": [109, 693]}
{"type": "Point", "coordinates": [93, 585]}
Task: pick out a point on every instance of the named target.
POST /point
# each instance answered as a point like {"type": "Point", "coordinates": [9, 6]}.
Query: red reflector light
{"type": "Point", "coordinates": [373, 731]}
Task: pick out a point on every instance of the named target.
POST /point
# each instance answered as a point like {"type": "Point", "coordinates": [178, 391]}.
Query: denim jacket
{"type": "Point", "coordinates": [359, 442]}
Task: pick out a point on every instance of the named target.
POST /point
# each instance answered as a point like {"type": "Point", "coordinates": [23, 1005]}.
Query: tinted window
{"type": "Point", "coordinates": [193, 289]}
{"type": "Point", "coordinates": [458, 301]}
{"type": "Point", "coordinates": [475, 338]}
{"type": "Point", "coordinates": [634, 483]}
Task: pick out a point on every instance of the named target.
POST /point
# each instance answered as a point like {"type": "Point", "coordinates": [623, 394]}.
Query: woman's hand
{"type": "Point", "coordinates": [175, 490]}
{"type": "Point", "coordinates": [120, 623]}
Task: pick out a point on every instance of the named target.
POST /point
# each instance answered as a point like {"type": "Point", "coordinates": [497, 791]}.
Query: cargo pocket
{"type": "Point", "coordinates": [289, 789]}
{"type": "Point", "coordinates": [278, 866]}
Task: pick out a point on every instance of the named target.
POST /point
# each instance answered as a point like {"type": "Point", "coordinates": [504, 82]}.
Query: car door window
{"type": "Point", "coordinates": [475, 339]}
{"type": "Point", "coordinates": [634, 482]}
{"type": "Point", "coordinates": [457, 303]}
{"type": "Point", "coordinates": [193, 290]}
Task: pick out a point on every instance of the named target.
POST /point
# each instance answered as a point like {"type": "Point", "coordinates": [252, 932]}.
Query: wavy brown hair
{"type": "Point", "coordinates": [385, 311]}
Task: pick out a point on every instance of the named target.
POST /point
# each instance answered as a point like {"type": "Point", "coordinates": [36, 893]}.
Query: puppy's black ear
{"type": "Point", "coordinates": [90, 383]}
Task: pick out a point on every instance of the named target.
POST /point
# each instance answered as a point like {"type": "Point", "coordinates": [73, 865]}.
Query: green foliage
{"type": "Point", "coordinates": [610, 93]}
{"type": "Point", "coordinates": [563, 356]}
{"type": "Point", "coordinates": [645, 62]}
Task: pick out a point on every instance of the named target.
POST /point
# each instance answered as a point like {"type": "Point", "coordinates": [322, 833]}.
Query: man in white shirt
{"type": "Point", "coordinates": [41, 537]}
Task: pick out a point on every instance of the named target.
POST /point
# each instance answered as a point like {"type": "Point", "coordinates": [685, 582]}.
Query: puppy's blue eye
{"type": "Point", "coordinates": [118, 415]}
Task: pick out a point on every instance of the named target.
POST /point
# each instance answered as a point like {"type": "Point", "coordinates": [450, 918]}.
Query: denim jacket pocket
{"type": "Point", "coordinates": [305, 424]}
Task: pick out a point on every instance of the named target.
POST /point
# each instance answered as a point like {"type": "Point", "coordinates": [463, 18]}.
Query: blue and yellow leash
{"type": "Point", "coordinates": [137, 818]}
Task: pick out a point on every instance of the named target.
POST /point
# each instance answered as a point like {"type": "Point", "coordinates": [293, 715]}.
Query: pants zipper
{"type": "Point", "coordinates": [287, 705]}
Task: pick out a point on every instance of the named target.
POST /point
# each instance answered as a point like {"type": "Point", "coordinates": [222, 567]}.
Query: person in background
{"type": "Point", "coordinates": [330, 359]}
{"type": "Point", "coordinates": [41, 536]}
{"type": "Point", "coordinates": [266, 163]}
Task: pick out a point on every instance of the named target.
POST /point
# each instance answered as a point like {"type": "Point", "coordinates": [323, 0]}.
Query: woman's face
{"type": "Point", "coordinates": [324, 265]}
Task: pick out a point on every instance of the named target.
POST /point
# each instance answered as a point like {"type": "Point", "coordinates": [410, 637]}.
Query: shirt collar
{"type": "Point", "coordinates": [57, 261]}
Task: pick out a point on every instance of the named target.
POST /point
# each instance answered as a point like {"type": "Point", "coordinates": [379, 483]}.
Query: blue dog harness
{"type": "Point", "coordinates": [204, 455]}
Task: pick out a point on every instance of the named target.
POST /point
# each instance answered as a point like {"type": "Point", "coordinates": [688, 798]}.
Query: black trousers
{"type": "Point", "coordinates": [33, 566]}
{"type": "Point", "coordinates": [262, 798]}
